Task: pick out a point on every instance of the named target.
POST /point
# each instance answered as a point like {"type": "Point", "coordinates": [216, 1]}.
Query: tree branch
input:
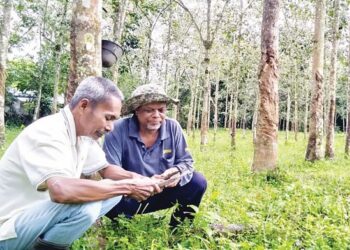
{"type": "Point", "coordinates": [182, 5]}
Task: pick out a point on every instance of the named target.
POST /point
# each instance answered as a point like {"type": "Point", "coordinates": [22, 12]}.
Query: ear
{"type": "Point", "coordinates": [83, 103]}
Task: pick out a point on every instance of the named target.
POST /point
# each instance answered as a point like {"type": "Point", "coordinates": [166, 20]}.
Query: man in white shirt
{"type": "Point", "coordinates": [44, 202]}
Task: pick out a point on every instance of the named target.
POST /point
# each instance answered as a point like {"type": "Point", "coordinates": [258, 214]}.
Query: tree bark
{"type": "Point", "coordinates": [296, 115]}
{"type": "Point", "coordinates": [287, 115]}
{"type": "Point", "coordinates": [58, 53]}
{"type": "Point", "coordinates": [85, 41]}
{"type": "Point", "coordinates": [314, 147]}
{"type": "Point", "coordinates": [4, 40]}
{"type": "Point", "coordinates": [332, 84]}
{"type": "Point", "coordinates": [119, 14]}
{"type": "Point", "coordinates": [226, 107]}
{"type": "Point", "coordinates": [42, 62]}
{"type": "Point", "coordinates": [216, 106]}
{"type": "Point", "coordinates": [347, 140]}
{"type": "Point", "coordinates": [255, 116]}
{"type": "Point", "coordinates": [265, 147]}
{"type": "Point", "coordinates": [306, 114]}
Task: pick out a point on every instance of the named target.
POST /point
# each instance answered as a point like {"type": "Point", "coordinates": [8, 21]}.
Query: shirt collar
{"type": "Point", "coordinates": [70, 124]}
{"type": "Point", "coordinates": [134, 129]}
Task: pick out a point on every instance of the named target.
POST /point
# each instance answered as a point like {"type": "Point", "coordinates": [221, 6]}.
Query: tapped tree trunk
{"type": "Point", "coordinates": [332, 85]}
{"type": "Point", "coordinates": [265, 146]}
{"type": "Point", "coordinates": [314, 147]}
{"type": "Point", "coordinates": [85, 43]}
{"type": "Point", "coordinates": [4, 39]}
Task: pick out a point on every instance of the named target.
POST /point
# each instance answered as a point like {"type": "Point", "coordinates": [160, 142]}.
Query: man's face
{"type": "Point", "coordinates": [97, 120]}
{"type": "Point", "coordinates": [151, 116]}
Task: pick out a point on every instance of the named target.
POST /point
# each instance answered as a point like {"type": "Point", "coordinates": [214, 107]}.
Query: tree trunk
{"type": "Point", "coordinates": [296, 116]}
{"type": "Point", "coordinates": [306, 114]}
{"type": "Point", "coordinates": [190, 109]}
{"type": "Point", "coordinates": [85, 43]}
{"type": "Point", "coordinates": [265, 147]}
{"type": "Point", "coordinates": [167, 53]}
{"type": "Point", "coordinates": [200, 99]}
{"type": "Point", "coordinates": [196, 105]}
{"type": "Point", "coordinates": [230, 113]}
{"type": "Point", "coordinates": [119, 15]}
{"type": "Point", "coordinates": [287, 115]}
{"type": "Point", "coordinates": [226, 107]}
{"type": "Point", "coordinates": [255, 117]}
{"type": "Point", "coordinates": [314, 147]}
{"type": "Point", "coordinates": [332, 85]}
{"type": "Point", "coordinates": [205, 107]}
{"type": "Point", "coordinates": [347, 140]}
{"type": "Point", "coordinates": [4, 39]}
{"type": "Point", "coordinates": [238, 78]}
{"type": "Point", "coordinates": [42, 64]}
{"type": "Point", "coordinates": [234, 120]}
{"type": "Point", "coordinates": [244, 122]}
{"type": "Point", "coordinates": [58, 53]}
{"type": "Point", "coordinates": [175, 107]}
{"type": "Point", "coordinates": [216, 106]}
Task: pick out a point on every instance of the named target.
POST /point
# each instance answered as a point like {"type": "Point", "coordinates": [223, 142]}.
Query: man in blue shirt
{"type": "Point", "coordinates": [153, 145]}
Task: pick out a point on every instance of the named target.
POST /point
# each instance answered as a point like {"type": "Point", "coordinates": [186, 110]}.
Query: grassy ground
{"type": "Point", "coordinates": [300, 206]}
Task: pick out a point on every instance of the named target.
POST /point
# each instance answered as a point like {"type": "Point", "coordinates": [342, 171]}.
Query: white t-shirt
{"type": "Point", "coordinates": [48, 147]}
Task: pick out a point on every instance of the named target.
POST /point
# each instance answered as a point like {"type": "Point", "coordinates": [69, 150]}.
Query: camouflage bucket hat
{"type": "Point", "coordinates": [145, 94]}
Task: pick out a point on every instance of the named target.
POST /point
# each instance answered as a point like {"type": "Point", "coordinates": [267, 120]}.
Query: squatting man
{"type": "Point", "coordinates": [44, 202]}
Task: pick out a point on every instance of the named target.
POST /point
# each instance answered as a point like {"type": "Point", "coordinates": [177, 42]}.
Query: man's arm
{"type": "Point", "coordinates": [71, 190]}
{"type": "Point", "coordinates": [115, 172]}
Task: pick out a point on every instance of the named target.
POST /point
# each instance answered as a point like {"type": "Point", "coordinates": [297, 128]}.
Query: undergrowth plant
{"type": "Point", "coordinates": [301, 205]}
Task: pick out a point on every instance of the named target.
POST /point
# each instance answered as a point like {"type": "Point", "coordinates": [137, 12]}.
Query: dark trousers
{"type": "Point", "coordinates": [189, 194]}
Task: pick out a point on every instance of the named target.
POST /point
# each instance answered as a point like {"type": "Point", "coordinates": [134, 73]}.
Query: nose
{"type": "Point", "coordinates": [109, 126]}
{"type": "Point", "coordinates": [156, 113]}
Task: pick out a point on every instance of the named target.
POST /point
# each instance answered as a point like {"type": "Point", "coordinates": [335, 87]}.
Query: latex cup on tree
{"type": "Point", "coordinates": [111, 52]}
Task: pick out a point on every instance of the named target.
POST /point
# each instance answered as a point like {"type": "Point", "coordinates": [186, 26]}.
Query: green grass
{"type": "Point", "coordinates": [299, 206]}
{"type": "Point", "coordinates": [11, 133]}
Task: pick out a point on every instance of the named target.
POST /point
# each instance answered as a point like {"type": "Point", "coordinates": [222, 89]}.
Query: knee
{"type": "Point", "coordinates": [90, 211]}
{"type": "Point", "coordinates": [199, 182]}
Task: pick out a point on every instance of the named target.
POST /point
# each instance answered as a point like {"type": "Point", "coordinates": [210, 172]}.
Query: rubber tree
{"type": "Point", "coordinates": [314, 148]}
{"type": "Point", "coordinates": [265, 146]}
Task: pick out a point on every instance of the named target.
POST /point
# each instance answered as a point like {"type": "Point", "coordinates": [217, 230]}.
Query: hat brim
{"type": "Point", "coordinates": [134, 102]}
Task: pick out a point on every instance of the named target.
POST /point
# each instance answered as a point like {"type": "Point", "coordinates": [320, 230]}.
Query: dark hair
{"type": "Point", "coordinates": [96, 90]}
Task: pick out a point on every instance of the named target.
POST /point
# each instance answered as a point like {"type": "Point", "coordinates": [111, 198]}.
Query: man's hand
{"type": "Point", "coordinates": [171, 173]}
{"type": "Point", "coordinates": [142, 188]}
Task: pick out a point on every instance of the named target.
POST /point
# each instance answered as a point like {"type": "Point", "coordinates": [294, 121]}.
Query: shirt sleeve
{"type": "Point", "coordinates": [95, 160]}
{"type": "Point", "coordinates": [44, 157]}
{"type": "Point", "coordinates": [113, 146]}
{"type": "Point", "coordinates": [183, 158]}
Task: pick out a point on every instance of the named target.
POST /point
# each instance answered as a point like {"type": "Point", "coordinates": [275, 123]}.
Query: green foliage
{"type": "Point", "coordinates": [11, 134]}
{"type": "Point", "coordinates": [299, 206]}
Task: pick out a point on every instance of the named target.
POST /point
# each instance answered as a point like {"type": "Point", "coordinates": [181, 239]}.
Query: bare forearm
{"type": "Point", "coordinates": [118, 173]}
{"type": "Point", "coordinates": [79, 190]}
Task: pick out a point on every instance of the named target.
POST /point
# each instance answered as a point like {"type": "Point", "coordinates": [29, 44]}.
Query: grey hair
{"type": "Point", "coordinates": [96, 90]}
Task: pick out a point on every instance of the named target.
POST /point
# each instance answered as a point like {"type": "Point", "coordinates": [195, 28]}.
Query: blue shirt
{"type": "Point", "coordinates": [124, 147]}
